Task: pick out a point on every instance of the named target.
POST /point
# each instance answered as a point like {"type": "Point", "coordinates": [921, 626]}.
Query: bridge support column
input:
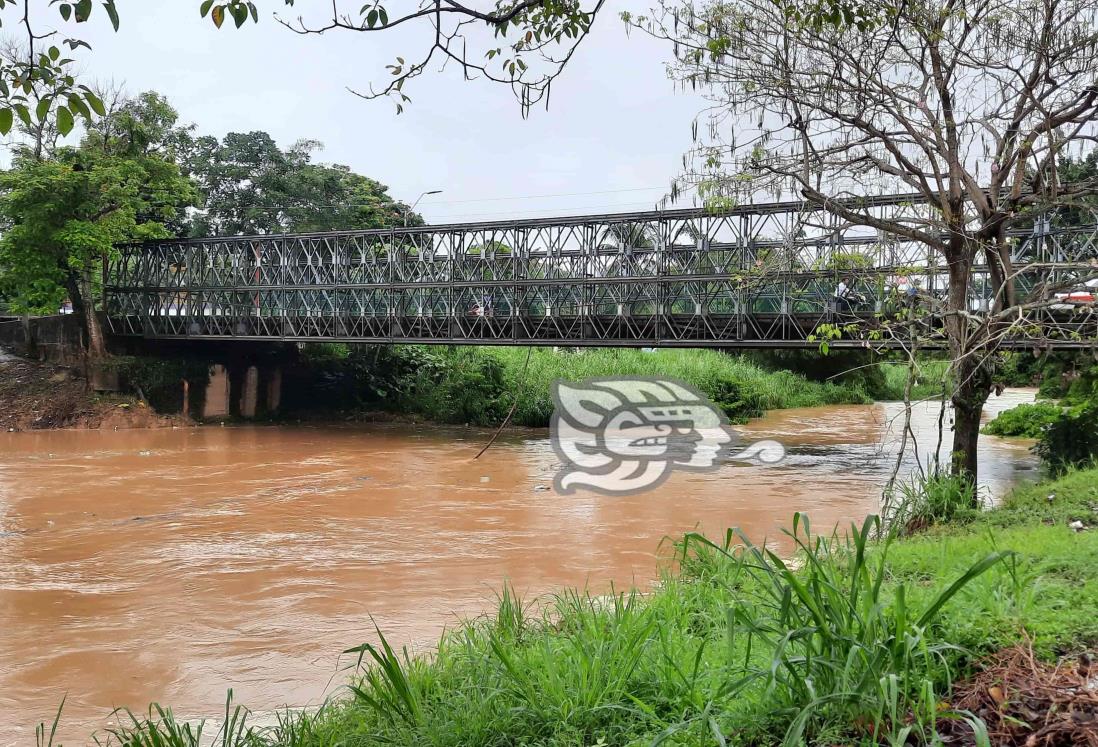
{"type": "Point", "coordinates": [216, 404]}
{"type": "Point", "coordinates": [249, 395]}
{"type": "Point", "coordinates": [274, 390]}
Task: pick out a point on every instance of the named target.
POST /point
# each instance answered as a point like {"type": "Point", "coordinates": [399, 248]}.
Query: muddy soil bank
{"type": "Point", "coordinates": [36, 396]}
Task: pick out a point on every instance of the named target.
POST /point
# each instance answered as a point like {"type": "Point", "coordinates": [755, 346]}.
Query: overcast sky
{"type": "Point", "coordinates": [615, 130]}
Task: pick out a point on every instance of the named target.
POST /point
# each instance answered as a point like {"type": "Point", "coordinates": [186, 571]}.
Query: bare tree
{"type": "Point", "coordinates": [967, 104]}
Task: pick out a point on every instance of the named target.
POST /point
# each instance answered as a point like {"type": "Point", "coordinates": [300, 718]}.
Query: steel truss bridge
{"type": "Point", "coordinates": [762, 275]}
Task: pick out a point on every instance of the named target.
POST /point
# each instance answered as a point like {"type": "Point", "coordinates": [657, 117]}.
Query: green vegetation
{"type": "Point", "coordinates": [860, 641]}
{"type": "Point", "coordinates": [1071, 440]}
{"type": "Point", "coordinates": [1023, 421]}
{"type": "Point", "coordinates": [478, 385]}
{"type": "Point", "coordinates": [741, 388]}
{"type": "Point", "coordinates": [924, 501]}
{"type": "Point", "coordinates": [931, 380]}
{"type": "Point", "coordinates": [65, 210]}
{"type": "Point", "coordinates": [250, 186]}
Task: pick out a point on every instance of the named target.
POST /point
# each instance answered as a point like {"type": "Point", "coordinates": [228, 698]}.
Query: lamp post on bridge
{"type": "Point", "coordinates": [410, 210]}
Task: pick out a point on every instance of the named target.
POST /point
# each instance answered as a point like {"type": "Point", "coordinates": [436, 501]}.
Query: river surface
{"type": "Point", "coordinates": [170, 565]}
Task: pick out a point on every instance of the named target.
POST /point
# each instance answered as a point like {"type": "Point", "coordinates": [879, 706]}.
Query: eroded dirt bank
{"type": "Point", "coordinates": [36, 396]}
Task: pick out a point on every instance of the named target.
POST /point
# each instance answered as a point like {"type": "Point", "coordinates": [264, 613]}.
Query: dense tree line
{"type": "Point", "coordinates": [137, 173]}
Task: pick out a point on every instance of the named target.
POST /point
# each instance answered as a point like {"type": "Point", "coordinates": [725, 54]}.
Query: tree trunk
{"type": "Point", "coordinates": [971, 368]}
{"type": "Point", "coordinates": [83, 303]}
{"type": "Point", "coordinates": [969, 395]}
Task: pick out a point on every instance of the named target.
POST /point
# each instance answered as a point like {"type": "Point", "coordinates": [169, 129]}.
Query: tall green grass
{"type": "Point", "coordinates": [838, 654]}
{"type": "Point", "coordinates": [740, 387]}
{"type": "Point", "coordinates": [931, 380]}
{"type": "Point", "coordinates": [922, 501]}
{"type": "Point", "coordinates": [478, 385]}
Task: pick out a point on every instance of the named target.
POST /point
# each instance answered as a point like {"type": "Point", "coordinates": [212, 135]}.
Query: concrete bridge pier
{"type": "Point", "coordinates": [242, 389]}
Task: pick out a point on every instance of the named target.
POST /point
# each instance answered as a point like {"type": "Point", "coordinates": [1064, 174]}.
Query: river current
{"type": "Point", "coordinates": [170, 565]}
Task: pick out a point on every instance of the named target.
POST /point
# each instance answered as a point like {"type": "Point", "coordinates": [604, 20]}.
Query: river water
{"type": "Point", "coordinates": [170, 565]}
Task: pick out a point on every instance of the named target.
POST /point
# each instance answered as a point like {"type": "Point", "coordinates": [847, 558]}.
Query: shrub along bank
{"type": "Point", "coordinates": [860, 641]}
{"type": "Point", "coordinates": [1066, 432]}
{"type": "Point", "coordinates": [479, 385]}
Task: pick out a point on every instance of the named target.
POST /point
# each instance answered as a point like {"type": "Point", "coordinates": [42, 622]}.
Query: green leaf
{"type": "Point", "coordinates": [112, 12]}
{"type": "Point", "coordinates": [66, 11]}
{"type": "Point", "coordinates": [205, 7]}
{"type": "Point", "coordinates": [371, 18]}
{"type": "Point", "coordinates": [65, 121]}
{"type": "Point", "coordinates": [43, 109]}
{"type": "Point", "coordinates": [83, 10]}
{"type": "Point", "coordinates": [95, 103]}
{"type": "Point", "coordinates": [239, 14]}
{"type": "Point", "coordinates": [24, 113]}
{"type": "Point", "coordinates": [7, 119]}
{"type": "Point", "coordinates": [76, 104]}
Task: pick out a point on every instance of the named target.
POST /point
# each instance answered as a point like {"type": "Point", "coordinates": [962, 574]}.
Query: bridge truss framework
{"type": "Point", "coordinates": [755, 276]}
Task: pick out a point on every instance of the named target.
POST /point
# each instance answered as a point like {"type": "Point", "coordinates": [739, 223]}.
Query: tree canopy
{"type": "Point", "coordinates": [251, 186]}
{"type": "Point", "coordinates": [65, 213]}
{"type": "Point", "coordinates": [138, 174]}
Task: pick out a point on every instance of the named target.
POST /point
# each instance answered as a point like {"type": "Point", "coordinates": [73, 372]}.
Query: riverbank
{"type": "Point", "coordinates": [868, 641]}
{"type": "Point", "coordinates": [479, 385]}
{"type": "Point", "coordinates": [37, 396]}
{"type": "Point", "coordinates": [457, 385]}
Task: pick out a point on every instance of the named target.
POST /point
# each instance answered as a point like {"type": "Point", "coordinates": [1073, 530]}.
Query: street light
{"type": "Point", "coordinates": [410, 210]}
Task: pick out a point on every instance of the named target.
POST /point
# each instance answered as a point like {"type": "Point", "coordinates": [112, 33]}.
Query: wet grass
{"type": "Point", "coordinates": [930, 378]}
{"type": "Point", "coordinates": [741, 387]}
{"type": "Point", "coordinates": [856, 642]}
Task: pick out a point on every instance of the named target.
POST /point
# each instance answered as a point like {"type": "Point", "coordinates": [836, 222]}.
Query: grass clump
{"type": "Point", "coordinates": [923, 501]}
{"type": "Point", "coordinates": [1027, 420]}
{"type": "Point", "coordinates": [852, 640]}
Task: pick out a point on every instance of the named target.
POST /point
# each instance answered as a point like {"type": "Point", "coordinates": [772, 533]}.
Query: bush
{"type": "Point", "coordinates": [1084, 387]}
{"type": "Point", "coordinates": [1023, 421]}
{"type": "Point", "coordinates": [1020, 369]}
{"type": "Point", "coordinates": [465, 386]}
{"type": "Point", "coordinates": [1071, 440]}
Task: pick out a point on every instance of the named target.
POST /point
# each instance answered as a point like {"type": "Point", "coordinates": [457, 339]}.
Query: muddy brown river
{"type": "Point", "coordinates": [171, 565]}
